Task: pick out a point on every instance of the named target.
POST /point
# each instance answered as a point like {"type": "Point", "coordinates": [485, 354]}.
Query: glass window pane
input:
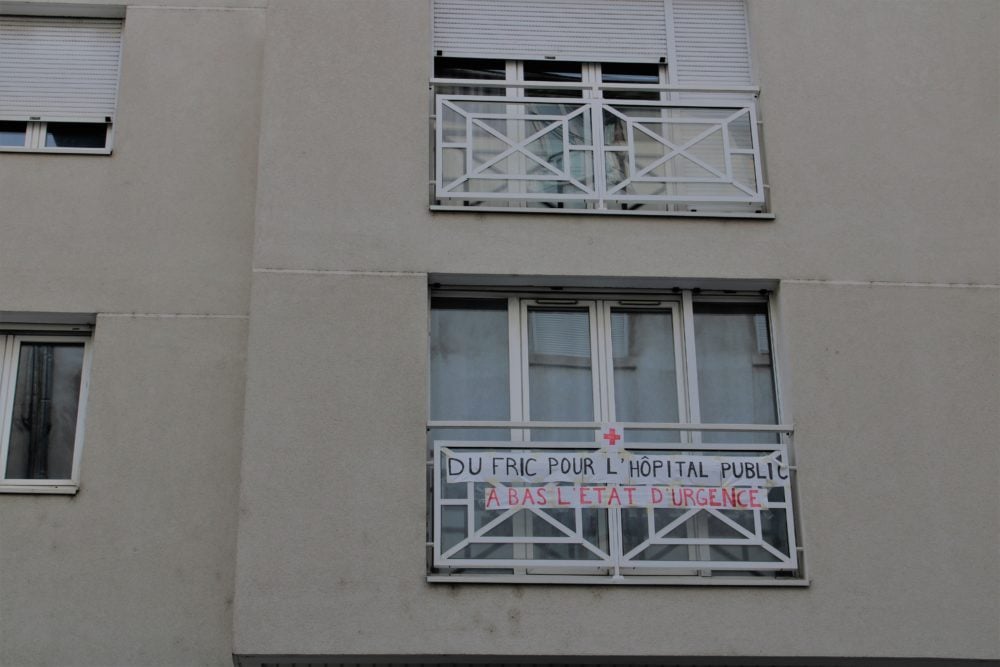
{"type": "Point", "coordinates": [46, 401]}
{"type": "Point", "coordinates": [645, 372]}
{"type": "Point", "coordinates": [469, 68]}
{"type": "Point", "coordinates": [552, 71]}
{"type": "Point", "coordinates": [544, 70]}
{"type": "Point", "coordinates": [469, 359]}
{"type": "Point", "coordinates": [735, 376]}
{"type": "Point", "coordinates": [635, 73]}
{"type": "Point", "coordinates": [75, 135]}
{"type": "Point", "coordinates": [13, 133]}
{"type": "Point", "coordinates": [560, 376]}
{"type": "Point", "coordinates": [630, 73]}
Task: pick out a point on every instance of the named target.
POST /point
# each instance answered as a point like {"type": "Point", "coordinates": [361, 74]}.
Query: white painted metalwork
{"type": "Point", "coordinates": [483, 545]}
{"type": "Point", "coordinates": [36, 134]}
{"type": "Point", "coordinates": [596, 153]}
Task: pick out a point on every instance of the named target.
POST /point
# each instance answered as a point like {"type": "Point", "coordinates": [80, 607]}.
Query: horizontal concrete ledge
{"type": "Point", "coordinates": [63, 9]}
{"type": "Point", "coordinates": [551, 283]}
{"type": "Point", "coordinates": [709, 215]}
{"type": "Point", "coordinates": [337, 272]}
{"type": "Point", "coordinates": [604, 661]}
{"type": "Point", "coordinates": [60, 319]}
{"type": "Point", "coordinates": [883, 283]}
{"type": "Point", "coordinates": [556, 580]}
{"type": "Point", "coordinates": [178, 316]}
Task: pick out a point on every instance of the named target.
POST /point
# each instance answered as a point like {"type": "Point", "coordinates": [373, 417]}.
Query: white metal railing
{"type": "Point", "coordinates": [683, 149]}
{"type": "Point", "coordinates": [538, 507]}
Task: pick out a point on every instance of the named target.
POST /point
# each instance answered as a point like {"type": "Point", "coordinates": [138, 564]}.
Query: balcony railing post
{"type": "Point", "coordinates": [597, 141]}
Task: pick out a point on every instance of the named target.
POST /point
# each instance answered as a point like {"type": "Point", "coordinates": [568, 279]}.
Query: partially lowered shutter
{"type": "Point", "coordinates": [710, 43]}
{"type": "Point", "coordinates": [581, 30]}
{"type": "Point", "coordinates": [59, 68]}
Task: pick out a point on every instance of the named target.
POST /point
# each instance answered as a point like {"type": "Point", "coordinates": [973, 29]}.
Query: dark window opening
{"type": "Point", "coordinates": [76, 135]}
{"type": "Point", "coordinates": [13, 132]}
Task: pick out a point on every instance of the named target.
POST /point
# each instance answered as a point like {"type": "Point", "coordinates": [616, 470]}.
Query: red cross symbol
{"type": "Point", "coordinates": [612, 436]}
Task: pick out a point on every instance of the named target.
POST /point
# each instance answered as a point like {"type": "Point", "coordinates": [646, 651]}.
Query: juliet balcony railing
{"type": "Point", "coordinates": [696, 500]}
{"type": "Point", "coordinates": [610, 148]}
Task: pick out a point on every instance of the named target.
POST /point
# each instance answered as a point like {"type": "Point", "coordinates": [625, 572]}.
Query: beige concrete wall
{"type": "Point", "coordinates": [888, 427]}
{"type": "Point", "coordinates": [880, 138]}
{"type": "Point", "coordinates": [164, 224]}
{"type": "Point", "coordinates": [879, 174]}
{"type": "Point", "coordinates": [335, 409]}
{"type": "Point", "coordinates": [880, 127]}
{"type": "Point", "coordinates": [137, 568]}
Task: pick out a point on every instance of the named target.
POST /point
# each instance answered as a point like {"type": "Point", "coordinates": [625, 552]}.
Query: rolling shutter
{"type": "Point", "coordinates": [580, 30]}
{"type": "Point", "coordinates": [59, 68]}
{"type": "Point", "coordinates": [710, 43]}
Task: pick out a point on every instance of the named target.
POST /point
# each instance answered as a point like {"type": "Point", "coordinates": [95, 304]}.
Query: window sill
{"type": "Point", "coordinates": [57, 151]}
{"type": "Point", "coordinates": [60, 488]}
{"type": "Point", "coordinates": [611, 581]}
{"type": "Point", "coordinates": [624, 214]}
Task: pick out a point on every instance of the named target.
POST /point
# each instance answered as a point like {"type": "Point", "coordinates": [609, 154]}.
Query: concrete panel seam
{"type": "Point", "coordinates": [180, 8]}
{"type": "Point", "coordinates": [175, 316]}
{"type": "Point", "coordinates": [884, 283]}
{"type": "Point", "coordinates": [331, 272]}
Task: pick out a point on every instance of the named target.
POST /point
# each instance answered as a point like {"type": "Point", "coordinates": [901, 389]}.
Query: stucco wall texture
{"type": "Point", "coordinates": [257, 252]}
{"type": "Point", "coordinates": [156, 240]}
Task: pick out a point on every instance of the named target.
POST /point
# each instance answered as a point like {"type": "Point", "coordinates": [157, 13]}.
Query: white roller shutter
{"type": "Point", "coordinates": [710, 43]}
{"type": "Point", "coordinates": [59, 68]}
{"type": "Point", "coordinates": [581, 30]}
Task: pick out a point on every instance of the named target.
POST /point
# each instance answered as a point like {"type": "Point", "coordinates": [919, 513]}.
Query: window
{"type": "Point", "coordinates": [43, 385]}
{"type": "Point", "coordinates": [595, 107]}
{"type": "Point", "coordinates": [58, 83]}
{"type": "Point", "coordinates": [598, 438]}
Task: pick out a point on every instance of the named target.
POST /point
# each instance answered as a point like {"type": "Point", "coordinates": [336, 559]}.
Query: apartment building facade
{"type": "Point", "coordinates": [499, 332]}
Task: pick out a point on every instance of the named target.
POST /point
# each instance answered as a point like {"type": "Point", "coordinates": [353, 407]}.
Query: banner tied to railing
{"type": "Point", "coordinates": [612, 476]}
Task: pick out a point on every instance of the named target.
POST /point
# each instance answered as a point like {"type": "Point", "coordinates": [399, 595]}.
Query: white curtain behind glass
{"type": "Point", "coordinates": [46, 402]}
{"type": "Point", "coordinates": [735, 376]}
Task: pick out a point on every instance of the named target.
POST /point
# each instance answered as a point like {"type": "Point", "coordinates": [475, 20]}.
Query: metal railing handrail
{"type": "Point", "coordinates": [635, 426]}
{"type": "Point", "coordinates": [574, 85]}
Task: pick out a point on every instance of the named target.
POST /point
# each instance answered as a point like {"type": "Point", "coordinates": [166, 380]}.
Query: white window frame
{"type": "Point", "coordinates": [690, 428]}
{"type": "Point", "coordinates": [35, 134]}
{"type": "Point", "coordinates": [11, 339]}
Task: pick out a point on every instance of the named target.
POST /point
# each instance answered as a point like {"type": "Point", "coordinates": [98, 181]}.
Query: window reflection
{"type": "Point", "coordinates": [75, 135]}
{"type": "Point", "coordinates": [46, 400]}
{"type": "Point", "coordinates": [735, 374]}
{"type": "Point", "coordinates": [13, 133]}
